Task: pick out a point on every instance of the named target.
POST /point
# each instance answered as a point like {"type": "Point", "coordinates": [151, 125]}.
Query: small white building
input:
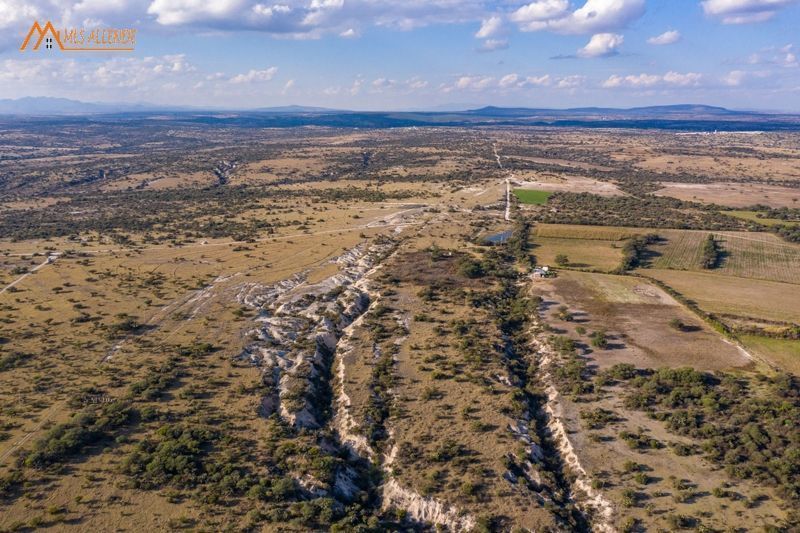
{"type": "Point", "coordinates": [541, 272]}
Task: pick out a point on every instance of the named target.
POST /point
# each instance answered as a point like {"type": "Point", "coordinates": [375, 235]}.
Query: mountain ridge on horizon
{"type": "Point", "coordinates": [47, 105]}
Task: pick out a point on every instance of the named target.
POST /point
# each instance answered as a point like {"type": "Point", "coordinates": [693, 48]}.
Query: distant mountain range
{"type": "Point", "coordinates": [35, 105]}
{"type": "Point", "coordinates": [689, 117]}
{"type": "Point", "coordinates": [661, 110]}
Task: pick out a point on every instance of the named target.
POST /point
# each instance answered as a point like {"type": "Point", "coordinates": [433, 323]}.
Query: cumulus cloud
{"type": "Point", "coordinates": [595, 16]}
{"type": "Point", "coordinates": [734, 78]}
{"type": "Point", "coordinates": [473, 83]}
{"type": "Point", "coordinates": [540, 81]}
{"type": "Point", "coordinates": [136, 78]}
{"type": "Point", "coordinates": [571, 82]}
{"type": "Point", "coordinates": [785, 56]}
{"type": "Point", "coordinates": [416, 84]}
{"type": "Point", "coordinates": [382, 84]}
{"type": "Point", "coordinates": [602, 45]}
{"type": "Point", "coordinates": [316, 18]}
{"type": "Point", "coordinates": [304, 18]}
{"type": "Point", "coordinates": [509, 80]}
{"type": "Point", "coordinates": [676, 78]}
{"type": "Point", "coordinates": [286, 18]}
{"type": "Point", "coordinates": [255, 75]}
{"type": "Point", "coordinates": [515, 81]}
{"type": "Point", "coordinates": [17, 12]}
{"type": "Point", "coordinates": [490, 27]}
{"type": "Point", "coordinates": [668, 37]}
{"type": "Point", "coordinates": [638, 81]}
{"type": "Point", "coordinates": [174, 12]}
{"type": "Point", "coordinates": [744, 11]}
{"type": "Point", "coordinates": [492, 45]}
{"type": "Point", "coordinates": [536, 15]}
{"type": "Point", "coordinates": [512, 81]}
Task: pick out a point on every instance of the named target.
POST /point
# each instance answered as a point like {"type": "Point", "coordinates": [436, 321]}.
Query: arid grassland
{"type": "Point", "coordinates": [228, 327]}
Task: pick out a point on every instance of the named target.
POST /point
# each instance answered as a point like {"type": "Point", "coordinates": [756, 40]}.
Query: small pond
{"type": "Point", "coordinates": [499, 238]}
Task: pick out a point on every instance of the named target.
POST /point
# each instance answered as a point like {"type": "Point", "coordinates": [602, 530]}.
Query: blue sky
{"type": "Point", "coordinates": [416, 54]}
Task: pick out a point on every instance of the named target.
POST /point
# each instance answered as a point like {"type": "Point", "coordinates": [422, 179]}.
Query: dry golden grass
{"type": "Point", "coordinates": [733, 194]}
{"type": "Point", "coordinates": [570, 231]}
{"type": "Point", "coordinates": [186, 294]}
{"type": "Point", "coordinates": [636, 316]}
{"type": "Point", "coordinates": [591, 254]}
{"type": "Point", "coordinates": [725, 294]}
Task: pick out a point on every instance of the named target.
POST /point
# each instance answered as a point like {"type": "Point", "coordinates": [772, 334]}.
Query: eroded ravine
{"type": "Point", "coordinates": [582, 492]}
{"type": "Point", "coordinates": [299, 328]}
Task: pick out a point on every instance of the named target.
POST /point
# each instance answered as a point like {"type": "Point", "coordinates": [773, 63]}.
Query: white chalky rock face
{"type": "Point", "coordinates": [299, 327]}
{"type": "Point", "coordinates": [548, 359]}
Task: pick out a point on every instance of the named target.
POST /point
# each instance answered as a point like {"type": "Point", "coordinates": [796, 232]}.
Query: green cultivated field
{"type": "Point", "coordinates": [531, 196]}
{"type": "Point", "coordinates": [753, 216]}
{"type": "Point", "coordinates": [784, 353]}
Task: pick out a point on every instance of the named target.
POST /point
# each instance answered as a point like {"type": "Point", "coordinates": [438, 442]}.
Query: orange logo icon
{"type": "Point", "coordinates": [80, 39]}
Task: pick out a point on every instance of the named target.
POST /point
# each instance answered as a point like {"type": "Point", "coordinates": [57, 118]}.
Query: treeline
{"type": "Point", "coordinates": [790, 233]}
{"type": "Point", "coordinates": [789, 214]}
{"type": "Point", "coordinates": [647, 211]}
{"type": "Point", "coordinates": [519, 244]}
{"type": "Point", "coordinates": [711, 253]}
{"type": "Point", "coordinates": [634, 250]}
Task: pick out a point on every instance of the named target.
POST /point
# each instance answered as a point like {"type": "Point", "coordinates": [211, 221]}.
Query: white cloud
{"type": "Point", "coordinates": [571, 82]}
{"type": "Point", "coordinates": [676, 78]}
{"type": "Point", "coordinates": [734, 78]}
{"type": "Point", "coordinates": [311, 19]}
{"type": "Point", "coordinates": [473, 83]}
{"type": "Point", "coordinates": [255, 75]}
{"type": "Point", "coordinates": [383, 83]}
{"type": "Point", "coordinates": [784, 56]}
{"type": "Point", "coordinates": [613, 81]}
{"type": "Point", "coordinates": [670, 79]}
{"type": "Point", "coordinates": [269, 11]}
{"type": "Point", "coordinates": [536, 15]}
{"type": "Point", "coordinates": [744, 11]}
{"type": "Point", "coordinates": [595, 16]}
{"type": "Point", "coordinates": [515, 81]}
{"type": "Point", "coordinates": [416, 84]}
{"type": "Point", "coordinates": [602, 45]}
{"type": "Point", "coordinates": [492, 45]}
{"type": "Point", "coordinates": [668, 37]}
{"type": "Point", "coordinates": [134, 78]}
{"type": "Point", "coordinates": [540, 81]}
{"type": "Point", "coordinates": [174, 12]}
{"type": "Point", "coordinates": [512, 81]}
{"type": "Point", "coordinates": [509, 80]}
{"type": "Point", "coordinates": [14, 12]}
{"type": "Point", "coordinates": [490, 27]}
